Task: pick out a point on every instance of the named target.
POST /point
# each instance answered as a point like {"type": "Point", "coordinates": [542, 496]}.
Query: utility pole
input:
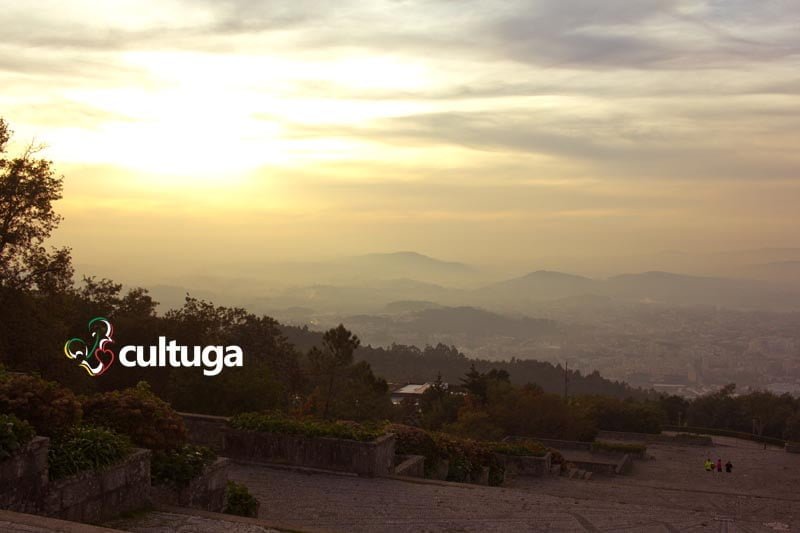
{"type": "Point", "coordinates": [566, 379]}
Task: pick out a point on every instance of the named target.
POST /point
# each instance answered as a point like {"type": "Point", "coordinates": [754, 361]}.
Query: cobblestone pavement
{"type": "Point", "coordinates": [344, 503]}
{"type": "Point", "coordinates": [668, 493]}
{"type": "Point", "coordinates": [163, 522]}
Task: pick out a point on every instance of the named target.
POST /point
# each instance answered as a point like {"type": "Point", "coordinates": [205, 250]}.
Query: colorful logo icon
{"type": "Point", "coordinates": [97, 358]}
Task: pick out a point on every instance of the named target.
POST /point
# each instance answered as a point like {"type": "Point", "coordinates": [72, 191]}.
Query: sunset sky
{"type": "Point", "coordinates": [485, 131]}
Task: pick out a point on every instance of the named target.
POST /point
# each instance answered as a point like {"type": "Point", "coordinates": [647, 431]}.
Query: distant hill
{"type": "Point", "coordinates": [409, 364]}
{"type": "Point", "coordinates": [661, 287]}
{"type": "Point", "coordinates": [541, 285]}
{"type": "Point", "coordinates": [411, 265]}
{"type": "Point", "coordinates": [409, 306]}
{"type": "Point", "coordinates": [678, 289]}
{"type": "Point", "coordinates": [454, 325]}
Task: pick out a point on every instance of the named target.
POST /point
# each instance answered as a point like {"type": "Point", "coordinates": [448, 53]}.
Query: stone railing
{"type": "Point", "coordinates": [205, 430]}
{"type": "Point", "coordinates": [525, 465]}
{"type": "Point", "coordinates": [90, 496]}
{"type": "Point", "coordinates": [372, 458]}
{"type": "Point", "coordinates": [94, 496]}
{"type": "Point", "coordinates": [23, 477]}
{"type": "Point", "coordinates": [206, 491]}
{"type": "Point", "coordinates": [409, 465]}
{"type": "Point", "coordinates": [656, 438]}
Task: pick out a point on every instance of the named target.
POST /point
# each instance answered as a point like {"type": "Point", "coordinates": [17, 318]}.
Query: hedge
{"type": "Point", "coordinates": [278, 423]}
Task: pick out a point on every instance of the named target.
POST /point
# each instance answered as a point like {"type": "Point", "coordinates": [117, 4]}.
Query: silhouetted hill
{"type": "Point", "coordinates": [409, 364]}
{"type": "Point", "coordinates": [409, 306]}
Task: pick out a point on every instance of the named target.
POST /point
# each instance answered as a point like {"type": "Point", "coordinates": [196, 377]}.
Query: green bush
{"type": "Point", "coordinates": [145, 418]}
{"type": "Point", "coordinates": [603, 446]}
{"type": "Point", "coordinates": [179, 467]}
{"type": "Point", "coordinates": [239, 501]}
{"type": "Point", "coordinates": [14, 434]}
{"type": "Point", "coordinates": [86, 448]}
{"type": "Point", "coordinates": [278, 423]}
{"type": "Point", "coordinates": [415, 441]}
{"type": "Point", "coordinates": [526, 448]}
{"type": "Point", "coordinates": [466, 457]}
{"type": "Point", "coordinates": [46, 405]}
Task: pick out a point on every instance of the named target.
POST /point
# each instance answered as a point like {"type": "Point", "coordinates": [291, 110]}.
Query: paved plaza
{"type": "Point", "coordinates": [669, 492]}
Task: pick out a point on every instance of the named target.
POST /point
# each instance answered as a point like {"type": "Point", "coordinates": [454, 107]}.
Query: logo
{"type": "Point", "coordinates": [98, 359]}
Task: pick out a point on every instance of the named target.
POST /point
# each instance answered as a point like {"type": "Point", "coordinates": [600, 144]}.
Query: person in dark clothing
{"type": "Point", "coordinates": [719, 465]}
{"type": "Point", "coordinates": [728, 466]}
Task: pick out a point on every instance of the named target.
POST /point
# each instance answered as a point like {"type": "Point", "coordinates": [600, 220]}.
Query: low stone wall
{"type": "Point", "coordinates": [100, 495]}
{"type": "Point", "coordinates": [792, 447]}
{"type": "Point", "coordinates": [691, 440]}
{"type": "Point", "coordinates": [619, 454]}
{"type": "Point", "coordinates": [554, 443]}
{"type": "Point", "coordinates": [205, 430]}
{"type": "Point", "coordinates": [410, 465]}
{"type": "Point", "coordinates": [206, 491]}
{"type": "Point", "coordinates": [23, 477]}
{"type": "Point", "coordinates": [595, 467]}
{"type": "Point", "coordinates": [625, 465]}
{"type": "Point", "coordinates": [526, 465]}
{"type": "Point", "coordinates": [375, 458]}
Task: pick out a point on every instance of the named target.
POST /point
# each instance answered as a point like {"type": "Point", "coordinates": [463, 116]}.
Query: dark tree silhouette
{"type": "Point", "coordinates": [28, 188]}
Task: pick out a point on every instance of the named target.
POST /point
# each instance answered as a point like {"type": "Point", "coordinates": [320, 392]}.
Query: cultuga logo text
{"type": "Point", "coordinates": [96, 358]}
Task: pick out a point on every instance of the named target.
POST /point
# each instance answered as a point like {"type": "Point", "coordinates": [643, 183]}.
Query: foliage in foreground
{"type": "Point", "coordinates": [278, 423]}
{"type": "Point", "coordinates": [179, 467]}
{"type": "Point", "coordinates": [239, 501]}
{"type": "Point", "coordinates": [49, 407]}
{"type": "Point", "coordinates": [14, 434]}
{"type": "Point", "coordinates": [145, 418]}
{"type": "Point", "coordinates": [604, 446]}
{"type": "Point", "coordinates": [527, 448]}
{"type": "Point", "coordinates": [86, 448]}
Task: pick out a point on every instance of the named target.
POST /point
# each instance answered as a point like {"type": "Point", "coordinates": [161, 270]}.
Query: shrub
{"type": "Point", "coordinates": [46, 405]}
{"type": "Point", "coordinates": [179, 467]}
{"type": "Point", "coordinates": [526, 448]}
{"type": "Point", "coordinates": [278, 423]}
{"type": "Point", "coordinates": [466, 456]}
{"type": "Point", "coordinates": [14, 434]}
{"type": "Point", "coordinates": [86, 448]}
{"type": "Point", "coordinates": [239, 501]}
{"type": "Point", "coordinates": [415, 441]}
{"type": "Point", "coordinates": [148, 420]}
{"type": "Point", "coordinates": [621, 447]}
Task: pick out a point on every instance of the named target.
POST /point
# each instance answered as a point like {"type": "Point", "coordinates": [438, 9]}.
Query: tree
{"type": "Point", "coordinates": [28, 188]}
{"type": "Point", "coordinates": [327, 364]}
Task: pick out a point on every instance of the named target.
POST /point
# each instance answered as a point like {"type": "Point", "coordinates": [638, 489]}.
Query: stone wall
{"type": "Point", "coordinates": [692, 440]}
{"type": "Point", "coordinates": [100, 495]}
{"type": "Point", "coordinates": [792, 447]}
{"type": "Point", "coordinates": [206, 491]}
{"type": "Point", "coordinates": [23, 477]}
{"type": "Point", "coordinates": [410, 465]}
{"type": "Point", "coordinates": [205, 430]}
{"type": "Point", "coordinates": [374, 458]}
{"type": "Point", "coordinates": [525, 465]}
{"type": "Point", "coordinates": [625, 465]}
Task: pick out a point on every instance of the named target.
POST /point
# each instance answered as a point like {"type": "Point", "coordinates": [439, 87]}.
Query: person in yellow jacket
{"type": "Point", "coordinates": [709, 465]}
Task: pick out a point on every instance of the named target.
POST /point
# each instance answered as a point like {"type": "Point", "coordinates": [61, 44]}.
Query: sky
{"type": "Point", "coordinates": [492, 132]}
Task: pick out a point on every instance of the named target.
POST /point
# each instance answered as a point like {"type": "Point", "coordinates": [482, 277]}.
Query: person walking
{"type": "Point", "coordinates": [719, 465]}
{"type": "Point", "coordinates": [728, 466]}
{"type": "Point", "coordinates": [709, 465]}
